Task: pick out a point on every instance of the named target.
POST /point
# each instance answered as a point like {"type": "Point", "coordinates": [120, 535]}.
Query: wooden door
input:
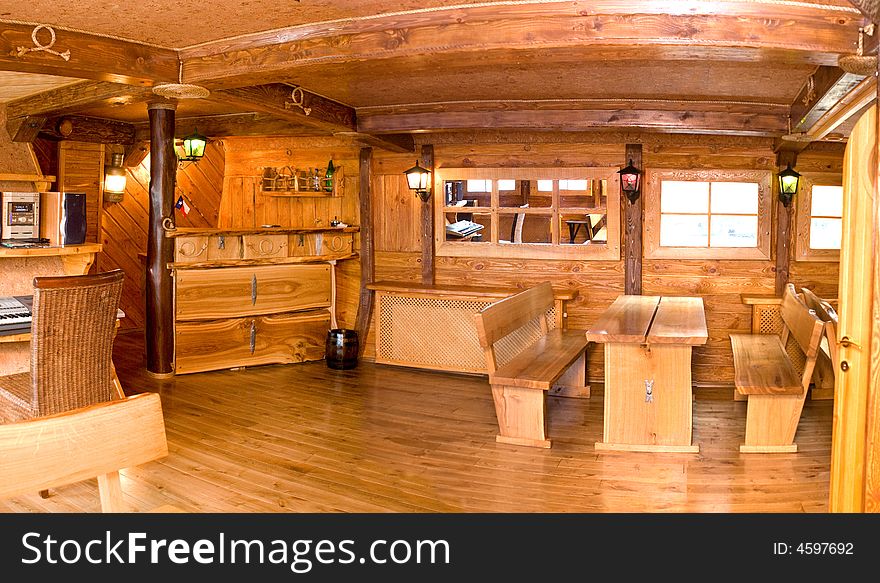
{"type": "Point", "coordinates": [855, 467]}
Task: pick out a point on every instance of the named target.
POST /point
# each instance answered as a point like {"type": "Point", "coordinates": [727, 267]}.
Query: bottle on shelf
{"type": "Point", "coordinates": [328, 176]}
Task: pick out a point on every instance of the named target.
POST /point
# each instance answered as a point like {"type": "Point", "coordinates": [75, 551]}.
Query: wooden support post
{"type": "Point", "coordinates": [783, 225]}
{"type": "Point", "coordinates": [160, 306]}
{"type": "Point", "coordinates": [367, 252]}
{"type": "Point", "coordinates": [427, 222]}
{"type": "Point", "coordinates": [633, 229]}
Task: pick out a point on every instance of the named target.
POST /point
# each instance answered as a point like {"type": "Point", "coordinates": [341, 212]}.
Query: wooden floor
{"type": "Point", "coordinates": [306, 438]}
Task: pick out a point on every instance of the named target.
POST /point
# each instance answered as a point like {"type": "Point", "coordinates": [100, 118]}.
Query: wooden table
{"type": "Point", "coordinates": [648, 392]}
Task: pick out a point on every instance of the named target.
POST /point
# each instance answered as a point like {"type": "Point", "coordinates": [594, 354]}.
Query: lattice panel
{"type": "Point", "coordinates": [439, 333]}
{"type": "Point", "coordinates": [768, 319]}
{"type": "Point", "coordinates": [796, 355]}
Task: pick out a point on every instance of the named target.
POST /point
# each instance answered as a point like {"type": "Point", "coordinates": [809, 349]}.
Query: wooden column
{"type": "Point", "coordinates": [427, 221]}
{"type": "Point", "coordinates": [633, 228]}
{"type": "Point", "coordinates": [160, 305]}
{"type": "Point", "coordinates": [783, 224]}
{"type": "Point", "coordinates": [367, 251]}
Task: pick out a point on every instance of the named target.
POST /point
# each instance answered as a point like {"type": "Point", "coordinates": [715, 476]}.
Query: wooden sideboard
{"type": "Point", "coordinates": [253, 297]}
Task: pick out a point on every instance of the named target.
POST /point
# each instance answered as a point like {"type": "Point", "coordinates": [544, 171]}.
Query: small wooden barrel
{"type": "Point", "coordinates": [342, 348]}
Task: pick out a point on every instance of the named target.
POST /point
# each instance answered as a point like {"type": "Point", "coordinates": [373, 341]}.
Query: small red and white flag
{"type": "Point", "coordinates": [182, 206]}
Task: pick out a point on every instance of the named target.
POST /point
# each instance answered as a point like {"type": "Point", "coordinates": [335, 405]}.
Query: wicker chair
{"type": "Point", "coordinates": [74, 323]}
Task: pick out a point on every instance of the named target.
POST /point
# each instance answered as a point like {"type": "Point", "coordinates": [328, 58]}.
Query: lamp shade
{"type": "Point", "coordinates": [788, 184]}
{"type": "Point", "coordinates": [194, 147]}
{"type": "Point", "coordinates": [630, 181]}
{"type": "Point", "coordinates": [418, 178]}
{"type": "Point", "coordinates": [114, 179]}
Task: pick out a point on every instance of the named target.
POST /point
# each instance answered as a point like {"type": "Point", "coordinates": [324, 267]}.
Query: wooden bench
{"type": "Point", "coordinates": [99, 440]}
{"type": "Point", "coordinates": [526, 359]}
{"type": "Point", "coordinates": [774, 373]}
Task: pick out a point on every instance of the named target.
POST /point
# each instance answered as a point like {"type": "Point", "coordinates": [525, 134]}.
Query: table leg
{"type": "Point", "coordinates": [573, 229]}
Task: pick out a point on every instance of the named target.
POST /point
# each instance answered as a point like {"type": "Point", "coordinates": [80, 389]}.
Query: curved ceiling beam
{"type": "Point", "coordinates": [795, 32]}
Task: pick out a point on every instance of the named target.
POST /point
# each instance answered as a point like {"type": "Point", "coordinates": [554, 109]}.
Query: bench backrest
{"type": "Point", "coordinates": [505, 317]}
{"type": "Point", "coordinates": [828, 314]}
{"type": "Point", "coordinates": [98, 440]}
{"type": "Point", "coordinates": [801, 334]}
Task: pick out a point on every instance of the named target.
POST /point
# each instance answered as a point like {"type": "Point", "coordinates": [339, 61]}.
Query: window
{"type": "Point", "coordinates": [528, 212]}
{"type": "Point", "coordinates": [707, 214]}
{"type": "Point", "coordinates": [819, 218]}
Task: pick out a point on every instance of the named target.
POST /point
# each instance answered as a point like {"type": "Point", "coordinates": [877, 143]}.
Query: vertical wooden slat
{"type": "Point", "coordinates": [427, 221]}
{"type": "Point", "coordinates": [160, 309]}
{"type": "Point", "coordinates": [367, 255]}
{"type": "Point", "coordinates": [633, 229]}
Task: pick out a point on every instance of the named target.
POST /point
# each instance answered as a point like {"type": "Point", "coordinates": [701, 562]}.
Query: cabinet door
{"type": "Point", "coordinates": [244, 291]}
{"type": "Point", "coordinates": [219, 344]}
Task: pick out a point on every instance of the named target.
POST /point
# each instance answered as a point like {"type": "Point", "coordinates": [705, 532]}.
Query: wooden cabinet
{"type": "Point", "coordinates": [245, 298]}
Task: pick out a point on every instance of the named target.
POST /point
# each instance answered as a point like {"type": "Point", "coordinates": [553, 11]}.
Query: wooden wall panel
{"type": "Point", "coordinates": [81, 169]}
{"type": "Point", "coordinates": [124, 224]}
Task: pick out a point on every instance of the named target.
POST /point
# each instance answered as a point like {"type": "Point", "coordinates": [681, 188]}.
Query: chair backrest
{"type": "Point", "coordinates": [802, 333]}
{"type": "Point", "coordinates": [500, 319]}
{"type": "Point", "coordinates": [98, 440]}
{"type": "Point", "coordinates": [74, 323]}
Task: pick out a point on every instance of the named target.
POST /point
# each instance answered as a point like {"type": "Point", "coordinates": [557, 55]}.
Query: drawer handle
{"type": "Point", "coordinates": [221, 242]}
{"type": "Point", "coordinates": [649, 391]}
{"type": "Point", "coordinates": [253, 336]}
{"type": "Point", "coordinates": [188, 249]}
{"type": "Point", "coordinates": [254, 290]}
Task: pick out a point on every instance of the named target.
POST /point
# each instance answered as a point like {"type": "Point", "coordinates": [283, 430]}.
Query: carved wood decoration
{"type": "Point", "coordinates": [633, 228]}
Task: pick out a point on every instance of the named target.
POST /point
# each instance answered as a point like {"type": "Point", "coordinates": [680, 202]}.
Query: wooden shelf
{"type": "Point", "coordinates": [194, 232]}
{"type": "Point", "coordinates": [334, 192]}
{"type": "Point", "coordinates": [51, 251]}
{"type": "Point", "coordinates": [26, 178]}
{"type": "Point", "coordinates": [271, 261]}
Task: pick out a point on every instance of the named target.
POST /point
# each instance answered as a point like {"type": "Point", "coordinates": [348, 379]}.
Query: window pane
{"type": "Point", "coordinates": [468, 228]}
{"type": "Point", "coordinates": [523, 193]}
{"type": "Point", "coordinates": [573, 185]}
{"type": "Point", "coordinates": [734, 231]}
{"type": "Point", "coordinates": [581, 194]}
{"type": "Point", "coordinates": [735, 197]}
{"type": "Point", "coordinates": [479, 186]}
{"type": "Point", "coordinates": [684, 197]}
{"type": "Point", "coordinates": [684, 230]}
{"type": "Point", "coordinates": [545, 185]}
{"type": "Point", "coordinates": [827, 202]}
{"type": "Point", "coordinates": [583, 229]}
{"type": "Point", "coordinates": [523, 228]}
{"type": "Point", "coordinates": [825, 233]}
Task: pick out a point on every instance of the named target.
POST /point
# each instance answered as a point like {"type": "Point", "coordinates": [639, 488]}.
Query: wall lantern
{"type": "Point", "coordinates": [193, 147]}
{"type": "Point", "coordinates": [417, 178]}
{"type": "Point", "coordinates": [630, 179]}
{"type": "Point", "coordinates": [788, 185]}
{"type": "Point", "coordinates": [114, 179]}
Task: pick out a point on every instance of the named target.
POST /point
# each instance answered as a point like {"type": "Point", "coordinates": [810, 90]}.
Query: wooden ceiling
{"type": "Point", "coordinates": [382, 70]}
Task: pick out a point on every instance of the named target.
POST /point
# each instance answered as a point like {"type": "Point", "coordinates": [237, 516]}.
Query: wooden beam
{"type": "Point", "coordinates": [870, 8]}
{"type": "Point", "coordinates": [783, 224]}
{"type": "Point", "coordinates": [238, 124]}
{"type": "Point", "coordinates": [427, 220]}
{"type": "Point", "coordinates": [89, 129]}
{"type": "Point", "coordinates": [25, 128]}
{"type": "Point", "coordinates": [70, 99]}
{"type": "Point", "coordinates": [767, 124]}
{"type": "Point", "coordinates": [136, 153]}
{"type": "Point", "coordinates": [160, 249]}
{"type": "Point", "coordinates": [740, 30]}
{"type": "Point", "coordinates": [312, 111]}
{"type": "Point", "coordinates": [84, 56]}
{"type": "Point", "coordinates": [861, 95]}
{"type": "Point", "coordinates": [367, 250]}
{"type": "Point", "coordinates": [819, 94]}
{"type": "Point", "coordinates": [633, 214]}
{"type": "Point", "coordinates": [399, 143]}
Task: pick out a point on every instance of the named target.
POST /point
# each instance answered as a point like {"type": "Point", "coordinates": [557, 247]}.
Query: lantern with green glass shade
{"type": "Point", "coordinates": [193, 147]}
{"type": "Point", "coordinates": [788, 185]}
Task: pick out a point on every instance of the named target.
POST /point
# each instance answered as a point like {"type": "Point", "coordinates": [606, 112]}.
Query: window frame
{"type": "Point", "coordinates": [610, 251]}
{"type": "Point", "coordinates": [804, 202]}
{"type": "Point", "coordinates": [651, 230]}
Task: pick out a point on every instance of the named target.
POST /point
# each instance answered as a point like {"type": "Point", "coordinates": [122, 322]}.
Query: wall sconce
{"type": "Point", "coordinates": [418, 178]}
{"type": "Point", "coordinates": [114, 179]}
{"type": "Point", "coordinates": [193, 147]}
{"type": "Point", "coordinates": [630, 179]}
{"type": "Point", "coordinates": [788, 185]}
